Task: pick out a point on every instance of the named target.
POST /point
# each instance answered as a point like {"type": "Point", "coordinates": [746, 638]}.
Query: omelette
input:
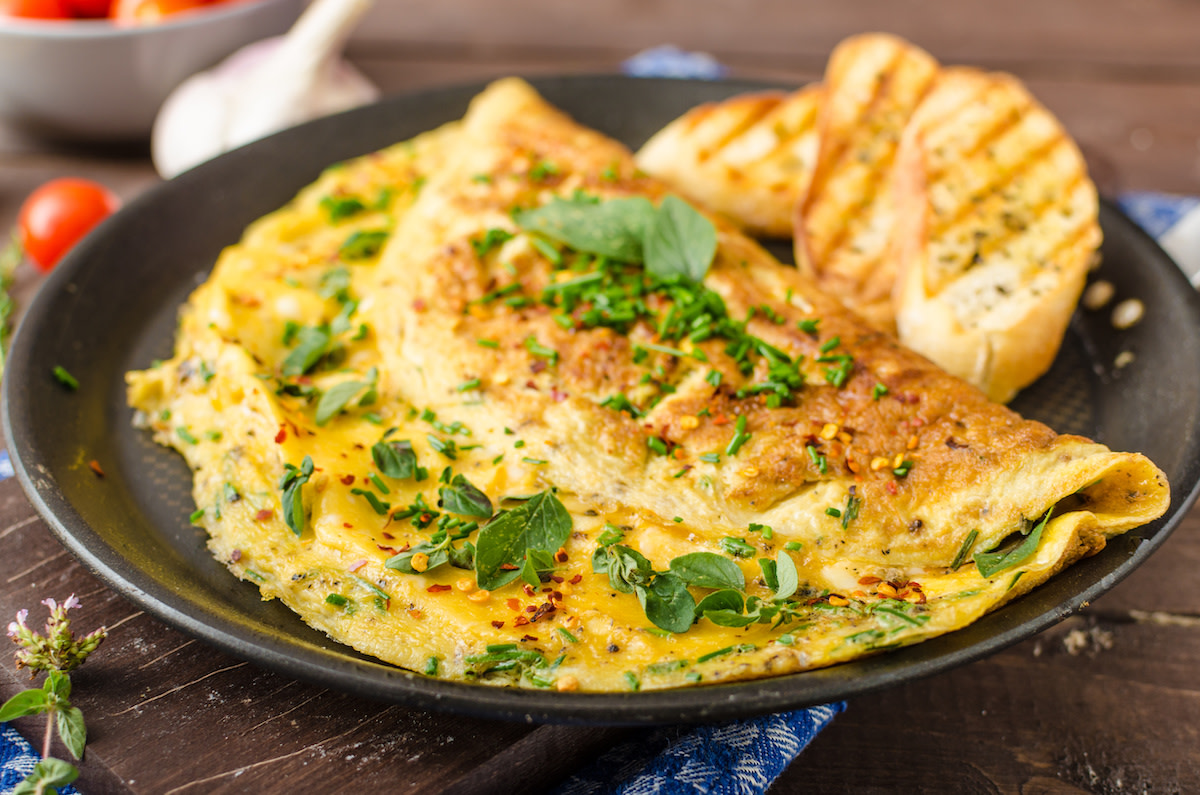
{"type": "Point", "coordinates": [492, 405]}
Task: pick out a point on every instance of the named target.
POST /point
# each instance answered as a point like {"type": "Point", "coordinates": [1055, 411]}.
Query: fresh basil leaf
{"type": "Point", "coordinates": [27, 702]}
{"type": "Point", "coordinates": [57, 683]}
{"type": "Point", "coordinates": [770, 573]}
{"type": "Point", "coordinates": [293, 499]}
{"type": "Point", "coordinates": [541, 522]}
{"type": "Point", "coordinates": [627, 568]}
{"type": "Point", "coordinates": [438, 553]}
{"type": "Point", "coordinates": [990, 563]}
{"type": "Point", "coordinates": [536, 562]}
{"type": "Point", "coordinates": [335, 399]}
{"type": "Point", "coordinates": [71, 730]}
{"type": "Point", "coordinates": [729, 618]}
{"type": "Point", "coordinates": [395, 459]}
{"type": "Point", "coordinates": [668, 603]}
{"type": "Point", "coordinates": [679, 241]}
{"type": "Point", "coordinates": [708, 570]}
{"type": "Point", "coordinates": [341, 207]}
{"type": "Point", "coordinates": [312, 342]}
{"type": "Point", "coordinates": [612, 228]}
{"type": "Point", "coordinates": [363, 244]}
{"type": "Point", "coordinates": [462, 497]}
{"type": "Point", "coordinates": [727, 599]}
{"type": "Point", "coordinates": [462, 557]}
{"type": "Point", "coordinates": [789, 578]}
{"type": "Point", "coordinates": [50, 773]}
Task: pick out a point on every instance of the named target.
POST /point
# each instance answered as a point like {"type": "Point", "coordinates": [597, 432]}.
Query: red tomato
{"type": "Point", "coordinates": [35, 9]}
{"type": "Point", "coordinates": [90, 8]}
{"type": "Point", "coordinates": [150, 11]}
{"type": "Point", "coordinates": [58, 214]}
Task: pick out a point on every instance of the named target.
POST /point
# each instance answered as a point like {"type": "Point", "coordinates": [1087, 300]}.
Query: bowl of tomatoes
{"type": "Point", "coordinates": [99, 70]}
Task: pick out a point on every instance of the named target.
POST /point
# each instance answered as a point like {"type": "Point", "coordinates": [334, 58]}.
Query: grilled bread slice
{"type": "Point", "coordinates": [873, 82]}
{"type": "Point", "coordinates": [997, 228]}
{"type": "Point", "coordinates": [749, 158]}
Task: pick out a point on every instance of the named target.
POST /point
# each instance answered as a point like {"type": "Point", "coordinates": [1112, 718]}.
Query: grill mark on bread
{"type": "Point", "coordinates": [755, 112]}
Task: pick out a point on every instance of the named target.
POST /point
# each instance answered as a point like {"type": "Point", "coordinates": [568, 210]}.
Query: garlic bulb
{"type": "Point", "coordinates": [263, 88]}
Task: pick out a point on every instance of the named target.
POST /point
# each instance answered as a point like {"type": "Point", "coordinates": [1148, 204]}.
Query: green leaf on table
{"type": "Point", "coordinates": [541, 522]}
{"type": "Point", "coordinates": [50, 773]}
{"type": "Point", "coordinates": [71, 730]}
{"type": "Point", "coordinates": [708, 570]}
{"type": "Point", "coordinates": [27, 702]}
{"type": "Point", "coordinates": [679, 241]}
{"type": "Point", "coordinates": [58, 684]}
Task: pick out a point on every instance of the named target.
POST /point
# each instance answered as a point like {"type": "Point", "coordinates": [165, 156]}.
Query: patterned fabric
{"type": "Point", "coordinates": [670, 61]}
{"type": "Point", "coordinates": [735, 758]}
{"type": "Point", "coordinates": [1156, 212]}
{"type": "Point", "coordinates": [17, 757]}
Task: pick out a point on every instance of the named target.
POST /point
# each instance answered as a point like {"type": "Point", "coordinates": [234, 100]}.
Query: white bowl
{"type": "Point", "coordinates": [94, 80]}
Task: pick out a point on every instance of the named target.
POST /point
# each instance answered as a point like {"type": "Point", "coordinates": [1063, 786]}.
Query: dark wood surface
{"type": "Point", "coordinates": [1107, 701]}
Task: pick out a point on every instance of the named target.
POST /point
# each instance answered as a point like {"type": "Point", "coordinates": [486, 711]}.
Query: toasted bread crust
{"type": "Point", "coordinates": [749, 158]}
{"type": "Point", "coordinates": [998, 225]}
{"type": "Point", "coordinates": [873, 82]}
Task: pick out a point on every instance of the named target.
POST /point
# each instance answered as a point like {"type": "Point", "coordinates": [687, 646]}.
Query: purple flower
{"type": "Point", "coordinates": [14, 627]}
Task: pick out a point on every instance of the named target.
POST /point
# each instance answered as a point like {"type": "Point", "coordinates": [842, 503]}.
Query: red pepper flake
{"type": "Point", "coordinates": [438, 588]}
{"type": "Point", "coordinates": [508, 567]}
{"type": "Point", "coordinates": [891, 488]}
{"type": "Point", "coordinates": [520, 621]}
{"type": "Point", "coordinates": [557, 395]}
{"type": "Point", "coordinates": [556, 596]}
{"type": "Point", "coordinates": [279, 437]}
{"type": "Point", "coordinates": [358, 564]}
{"type": "Point", "coordinates": [537, 366]}
{"type": "Point", "coordinates": [576, 579]}
{"type": "Point", "coordinates": [556, 579]}
{"type": "Point", "coordinates": [235, 556]}
{"type": "Point", "coordinates": [419, 305]}
{"type": "Point", "coordinates": [347, 525]}
{"type": "Point", "coordinates": [530, 608]}
{"type": "Point", "coordinates": [498, 624]}
{"type": "Point", "coordinates": [720, 419]}
{"type": "Point", "coordinates": [347, 479]}
{"type": "Point", "coordinates": [530, 385]}
{"type": "Point", "coordinates": [561, 555]}
{"type": "Point", "coordinates": [94, 465]}
{"type": "Point", "coordinates": [542, 611]}
{"type": "Point", "coordinates": [513, 604]}
{"type": "Point", "coordinates": [528, 589]}
{"type": "Point", "coordinates": [526, 638]}
{"type": "Point", "coordinates": [264, 515]}
{"type": "Point", "coordinates": [388, 536]}
{"type": "Point", "coordinates": [390, 550]}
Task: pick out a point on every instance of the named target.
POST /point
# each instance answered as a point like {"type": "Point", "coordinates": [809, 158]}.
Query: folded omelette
{"type": "Point", "coordinates": [492, 405]}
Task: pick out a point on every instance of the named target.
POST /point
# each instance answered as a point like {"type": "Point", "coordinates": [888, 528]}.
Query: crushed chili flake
{"type": "Point", "coordinates": [527, 588]}
{"type": "Point", "coordinates": [419, 305]}
{"type": "Point", "coordinates": [513, 604]}
{"type": "Point", "coordinates": [721, 419]}
{"type": "Point", "coordinates": [507, 567]}
{"type": "Point", "coordinates": [347, 525]}
{"type": "Point", "coordinates": [498, 624]}
{"type": "Point", "coordinates": [557, 395]}
{"type": "Point", "coordinates": [578, 578]}
{"type": "Point", "coordinates": [264, 515]}
{"type": "Point", "coordinates": [869, 579]}
{"type": "Point", "coordinates": [561, 555]}
{"type": "Point", "coordinates": [520, 621]}
{"type": "Point", "coordinates": [94, 465]}
{"type": "Point", "coordinates": [358, 564]}
{"type": "Point", "coordinates": [347, 479]}
{"type": "Point", "coordinates": [891, 487]}
{"type": "Point", "coordinates": [438, 588]}
{"type": "Point", "coordinates": [279, 437]}
{"type": "Point", "coordinates": [530, 608]}
{"type": "Point", "coordinates": [526, 638]}
{"type": "Point", "coordinates": [235, 556]}
{"type": "Point", "coordinates": [543, 611]}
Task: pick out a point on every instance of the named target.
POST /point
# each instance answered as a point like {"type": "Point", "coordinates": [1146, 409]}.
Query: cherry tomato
{"type": "Point", "coordinates": [150, 11]}
{"type": "Point", "coordinates": [35, 9]}
{"type": "Point", "coordinates": [92, 9]}
{"type": "Point", "coordinates": [58, 214]}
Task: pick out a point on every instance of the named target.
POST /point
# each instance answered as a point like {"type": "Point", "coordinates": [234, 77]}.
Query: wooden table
{"type": "Point", "coordinates": [1107, 701]}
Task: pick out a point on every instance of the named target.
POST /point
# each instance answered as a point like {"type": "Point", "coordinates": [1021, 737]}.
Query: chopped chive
{"type": "Point", "coordinates": [878, 391]}
{"type": "Point", "coordinates": [657, 445]}
{"type": "Point", "coordinates": [712, 655]}
{"type": "Point", "coordinates": [483, 343]}
{"type": "Point", "coordinates": [379, 484]}
{"type": "Point", "coordinates": [567, 635]}
{"type": "Point", "coordinates": [740, 437]}
{"type": "Point", "coordinates": [534, 461]}
{"type": "Point", "coordinates": [711, 458]}
{"type": "Point", "coordinates": [831, 343]}
{"type": "Point", "coordinates": [819, 461]}
{"type": "Point", "coordinates": [66, 379]}
{"type": "Point", "coordinates": [467, 386]}
{"type": "Point", "coordinates": [834, 512]}
{"type": "Point", "coordinates": [793, 546]}
{"type": "Point", "coordinates": [431, 666]}
{"type": "Point", "coordinates": [336, 599]}
{"type": "Point", "coordinates": [186, 435]}
{"type": "Point", "coordinates": [808, 326]}
{"type": "Point", "coordinates": [632, 680]}
{"type": "Point", "coordinates": [196, 516]}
